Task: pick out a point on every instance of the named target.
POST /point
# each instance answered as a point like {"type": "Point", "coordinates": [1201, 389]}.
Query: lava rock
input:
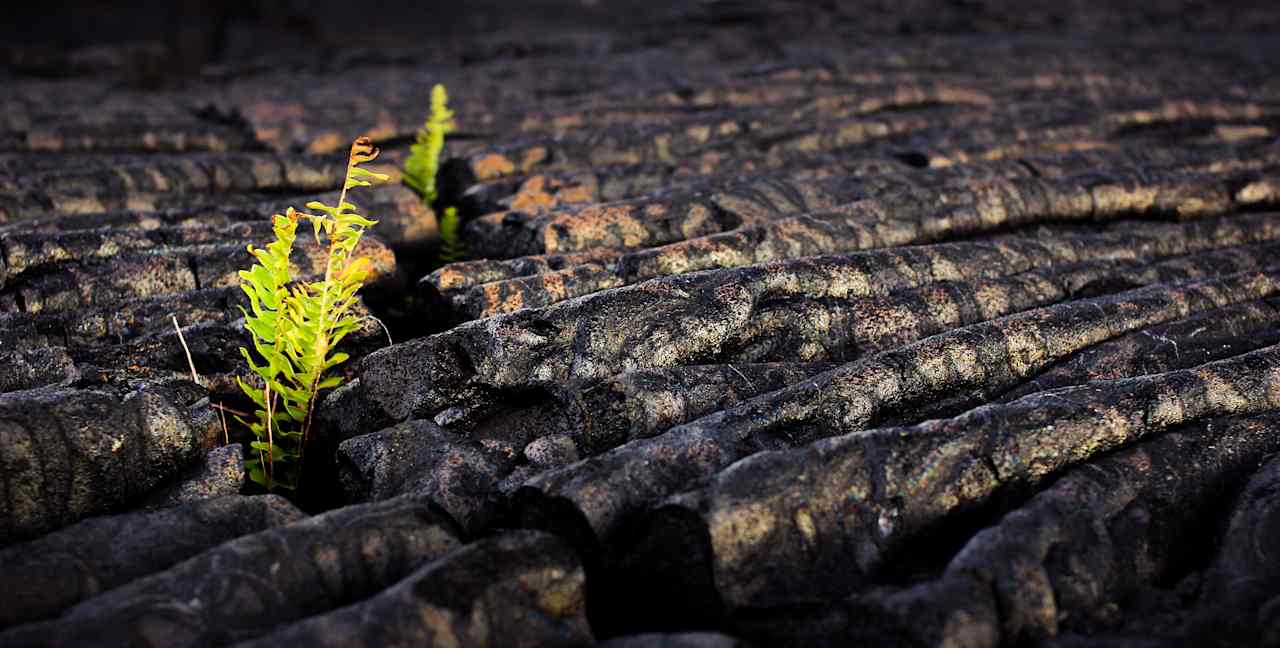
{"type": "Point", "coordinates": [516, 589]}
{"type": "Point", "coordinates": [45, 576]}
{"type": "Point", "coordinates": [69, 453]}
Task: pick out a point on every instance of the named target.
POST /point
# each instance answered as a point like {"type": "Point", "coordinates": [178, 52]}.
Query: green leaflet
{"type": "Point", "coordinates": [295, 326]}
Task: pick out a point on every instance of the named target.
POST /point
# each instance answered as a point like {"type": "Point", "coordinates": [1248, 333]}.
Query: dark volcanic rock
{"type": "Point", "coordinates": [69, 453]}
{"type": "Point", "coordinates": [402, 218]}
{"type": "Point", "coordinates": [1072, 557]}
{"type": "Point", "coordinates": [257, 582]}
{"type": "Point", "coordinates": [37, 367]}
{"type": "Point", "coordinates": [45, 576]}
{"type": "Point", "coordinates": [968, 360]}
{"type": "Point", "coordinates": [1239, 599]}
{"type": "Point", "coordinates": [1231, 603]}
{"type": "Point", "coordinates": [813, 312]}
{"type": "Point", "coordinates": [219, 473]}
{"type": "Point", "coordinates": [645, 402]}
{"type": "Point", "coordinates": [821, 520]}
{"type": "Point", "coordinates": [418, 457]}
{"type": "Point", "coordinates": [53, 278]}
{"type": "Point", "coordinates": [1211, 335]}
{"type": "Point", "coordinates": [770, 215]}
{"type": "Point", "coordinates": [520, 588]}
{"type": "Point", "coordinates": [569, 279]}
{"type": "Point", "coordinates": [156, 181]}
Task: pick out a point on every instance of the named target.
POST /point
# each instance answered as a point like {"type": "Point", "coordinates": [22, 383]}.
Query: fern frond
{"type": "Point", "coordinates": [451, 245]}
{"type": "Point", "coordinates": [423, 163]}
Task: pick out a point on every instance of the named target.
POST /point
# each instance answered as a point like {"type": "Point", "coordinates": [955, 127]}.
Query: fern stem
{"type": "Point", "coordinates": [271, 462]}
{"type": "Point", "coordinates": [321, 346]}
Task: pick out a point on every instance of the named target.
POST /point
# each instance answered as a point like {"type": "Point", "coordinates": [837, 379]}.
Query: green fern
{"type": "Point", "coordinates": [297, 326]}
{"type": "Point", "coordinates": [451, 246]}
{"type": "Point", "coordinates": [423, 163]}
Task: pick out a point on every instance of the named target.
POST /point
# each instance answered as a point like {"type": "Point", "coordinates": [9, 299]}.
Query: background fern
{"type": "Point", "coordinates": [296, 327]}
{"type": "Point", "coordinates": [423, 163]}
{"type": "Point", "coordinates": [451, 246]}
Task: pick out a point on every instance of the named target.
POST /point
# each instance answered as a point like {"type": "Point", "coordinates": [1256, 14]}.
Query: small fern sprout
{"type": "Point", "coordinates": [451, 246]}
{"type": "Point", "coordinates": [423, 163]}
{"type": "Point", "coordinates": [296, 326]}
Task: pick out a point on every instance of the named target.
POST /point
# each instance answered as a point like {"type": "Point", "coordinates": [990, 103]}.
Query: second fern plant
{"type": "Point", "coordinates": [423, 165]}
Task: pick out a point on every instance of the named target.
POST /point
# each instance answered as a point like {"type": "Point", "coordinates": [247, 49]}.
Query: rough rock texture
{"type": "Point", "coordinates": [1234, 601]}
{"type": "Point", "coordinates": [1073, 555]}
{"type": "Point", "coordinates": [790, 524]}
{"type": "Point", "coordinates": [44, 576]}
{"type": "Point", "coordinates": [256, 582]}
{"type": "Point", "coordinates": [693, 318]}
{"type": "Point", "coordinates": [794, 323]}
{"type": "Point", "coordinates": [219, 473]}
{"type": "Point", "coordinates": [70, 453]}
{"type": "Point", "coordinates": [418, 457]}
{"type": "Point", "coordinates": [541, 289]}
{"type": "Point", "coordinates": [50, 272]}
{"type": "Point", "coordinates": [968, 361]}
{"type": "Point", "coordinates": [517, 589]}
{"type": "Point", "coordinates": [1239, 590]}
{"type": "Point", "coordinates": [1211, 335]}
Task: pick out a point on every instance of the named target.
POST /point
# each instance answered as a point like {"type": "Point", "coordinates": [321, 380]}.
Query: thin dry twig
{"type": "Point", "coordinates": [195, 377]}
{"type": "Point", "coordinates": [222, 415]}
{"type": "Point", "coordinates": [743, 376]}
{"type": "Point", "coordinates": [233, 411]}
{"type": "Point", "coordinates": [384, 329]}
